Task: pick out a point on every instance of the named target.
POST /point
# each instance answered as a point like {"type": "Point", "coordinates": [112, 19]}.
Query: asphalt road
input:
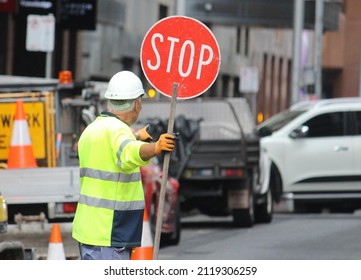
{"type": "Point", "coordinates": [288, 237]}
{"type": "Point", "coordinates": [322, 236]}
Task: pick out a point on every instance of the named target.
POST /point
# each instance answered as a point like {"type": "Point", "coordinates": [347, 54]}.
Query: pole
{"type": "Point", "coordinates": [318, 48]}
{"type": "Point", "coordinates": [359, 85]}
{"type": "Point", "coordinates": [48, 65]}
{"type": "Point", "coordinates": [181, 7]}
{"type": "Point", "coordinates": [158, 227]}
{"type": "Point", "coordinates": [298, 14]}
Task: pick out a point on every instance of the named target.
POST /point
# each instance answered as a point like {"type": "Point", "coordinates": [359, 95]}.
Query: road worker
{"type": "Point", "coordinates": [109, 217]}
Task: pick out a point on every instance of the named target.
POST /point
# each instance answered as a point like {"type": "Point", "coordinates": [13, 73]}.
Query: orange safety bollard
{"type": "Point", "coordinates": [56, 247]}
{"type": "Point", "coordinates": [145, 252]}
{"type": "Point", "coordinates": [21, 153]}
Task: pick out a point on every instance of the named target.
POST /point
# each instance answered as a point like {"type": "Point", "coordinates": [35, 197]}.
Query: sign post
{"type": "Point", "coordinates": [40, 34]}
{"type": "Point", "coordinates": [249, 84]}
{"type": "Point", "coordinates": [180, 57]}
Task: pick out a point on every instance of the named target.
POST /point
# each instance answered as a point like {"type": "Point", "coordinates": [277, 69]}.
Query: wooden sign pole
{"type": "Point", "coordinates": [158, 228]}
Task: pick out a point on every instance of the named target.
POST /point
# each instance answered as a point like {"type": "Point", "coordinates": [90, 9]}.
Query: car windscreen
{"type": "Point", "coordinates": [278, 121]}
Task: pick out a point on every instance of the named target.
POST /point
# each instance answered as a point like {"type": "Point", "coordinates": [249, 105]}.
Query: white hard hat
{"type": "Point", "coordinates": [124, 85]}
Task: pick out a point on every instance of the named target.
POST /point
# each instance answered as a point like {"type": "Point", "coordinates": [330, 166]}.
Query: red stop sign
{"type": "Point", "coordinates": [180, 50]}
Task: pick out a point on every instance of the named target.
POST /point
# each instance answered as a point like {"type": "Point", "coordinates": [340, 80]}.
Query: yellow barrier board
{"type": "Point", "coordinates": [34, 115]}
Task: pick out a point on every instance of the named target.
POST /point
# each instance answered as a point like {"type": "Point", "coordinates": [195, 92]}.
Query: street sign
{"type": "Point", "coordinates": [40, 33]}
{"type": "Point", "coordinates": [248, 82]}
{"type": "Point", "coordinates": [180, 50]}
{"type": "Point", "coordinates": [78, 15]}
{"type": "Point", "coordinates": [180, 58]}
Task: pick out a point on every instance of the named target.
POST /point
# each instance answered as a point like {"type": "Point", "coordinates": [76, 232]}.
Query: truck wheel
{"type": "Point", "coordinates": [264, 211]}
{"type": "Point", "coordinates": [244, 217]}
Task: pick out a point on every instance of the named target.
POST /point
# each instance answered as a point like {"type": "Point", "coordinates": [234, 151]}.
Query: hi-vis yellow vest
{"type": "Point", "coordinates": [111, 203]}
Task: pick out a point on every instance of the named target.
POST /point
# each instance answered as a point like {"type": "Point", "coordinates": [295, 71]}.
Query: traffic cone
{"type": "Point", "coordinates": [56, 247]}
{"type": "Point", "coordinates": [21, 153]}
{"type": "Point", "coordinates": [145, 252]}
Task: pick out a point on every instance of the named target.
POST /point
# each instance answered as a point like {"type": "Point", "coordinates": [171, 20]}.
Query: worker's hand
{"type": "Point", "coordinates": [143, 135]}
{"type": "Point", "coordinates": [166, 143]}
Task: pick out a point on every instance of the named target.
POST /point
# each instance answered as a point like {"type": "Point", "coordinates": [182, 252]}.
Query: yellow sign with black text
{"type": "Point", "coordinates": [34, 112]}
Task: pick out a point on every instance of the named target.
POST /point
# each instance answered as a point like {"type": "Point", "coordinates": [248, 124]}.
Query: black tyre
{"type": "Point", "coordinates": [264, 210]}
{"type": "Point", "coordinates": [245, 217]}
{"type": "Point", "coordinates": [276, 184]}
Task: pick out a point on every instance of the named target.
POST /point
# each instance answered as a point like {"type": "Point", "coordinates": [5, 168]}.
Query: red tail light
{"type": "Point", "coordinates": [233, 172]}
{"type": "Point", "coordinates": [69, 207]}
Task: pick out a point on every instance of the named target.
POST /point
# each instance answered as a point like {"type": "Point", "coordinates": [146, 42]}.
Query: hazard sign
{"type": "Point", "coordinates": [35, 117]}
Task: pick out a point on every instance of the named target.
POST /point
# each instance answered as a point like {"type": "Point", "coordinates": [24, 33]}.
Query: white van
{"type": "Point", "coordinates": [311, 153]}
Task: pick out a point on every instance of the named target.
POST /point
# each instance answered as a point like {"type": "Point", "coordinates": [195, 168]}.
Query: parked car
{"type": "Point", "coordinates": [311, 154]}
{"type": "Point", "coordinates": [152, 181]}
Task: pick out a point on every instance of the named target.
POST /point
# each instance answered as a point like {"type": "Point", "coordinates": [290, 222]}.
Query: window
{"type": "Point", "coordinates": [326, 125]}
{"type": "Point", "coordinates": [358, 122]}
{"type": "Point", "coordinates": [163, 11]}
{"type": "Point", "coordinates": [278, 121]}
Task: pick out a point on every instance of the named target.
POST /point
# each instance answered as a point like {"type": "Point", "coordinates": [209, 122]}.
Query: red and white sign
{"type": "Point", "coordinates": [181, 50]}
{"type": "Point", "coordinates": [40, 33]}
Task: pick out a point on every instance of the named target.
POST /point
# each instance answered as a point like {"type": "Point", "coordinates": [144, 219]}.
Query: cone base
{"type": "Point", "coordinates": [56, 251]}
{"type": "Point", "coordinates": [21, 157]}
{"type": "Point", "coordinates": [142, 253]}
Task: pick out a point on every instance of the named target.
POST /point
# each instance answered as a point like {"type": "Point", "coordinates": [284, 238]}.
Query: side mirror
{"type": "Point", "coordinates": [300, 132]}
{"type": "Point", "coordinates": [264, 131]}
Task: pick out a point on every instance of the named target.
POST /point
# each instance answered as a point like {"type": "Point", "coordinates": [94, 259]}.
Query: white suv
{"type": "Point", "coordinates": [312, 152]}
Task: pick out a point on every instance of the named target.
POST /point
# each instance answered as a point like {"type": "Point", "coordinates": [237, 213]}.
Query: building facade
{"type": "Point", "coordinates": [120, 26]}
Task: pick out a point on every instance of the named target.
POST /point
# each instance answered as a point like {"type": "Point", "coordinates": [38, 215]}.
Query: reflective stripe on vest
{"type": "Point", "coordinates": [110, 176]}
{"type": "Point", "coordinates": [111, 204]}
{"type": "Point", "coordinates": [124, 143]}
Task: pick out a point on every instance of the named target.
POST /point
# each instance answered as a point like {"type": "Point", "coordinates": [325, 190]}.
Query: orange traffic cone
{"type": "Point", "coordinates": [21, 151]}
{"type": "Point", "coordinates": [145, 252]}
{"type": "Point", "coordinates": [56, 247]}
